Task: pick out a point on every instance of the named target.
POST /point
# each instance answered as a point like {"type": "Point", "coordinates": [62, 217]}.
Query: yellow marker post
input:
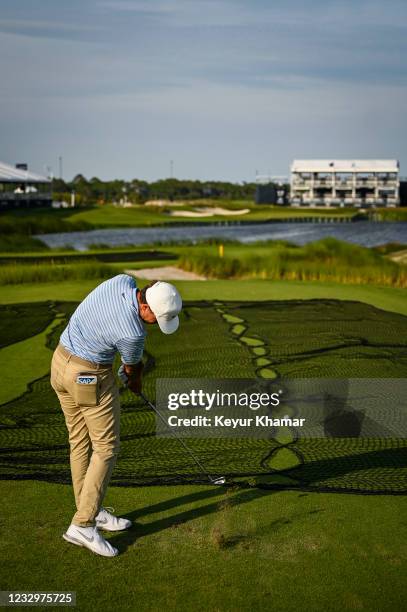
{"type": "Point", "coordinates": [221, 250]}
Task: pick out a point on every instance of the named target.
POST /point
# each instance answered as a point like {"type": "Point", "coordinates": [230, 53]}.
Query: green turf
{"type": "Point", "coordinates": [24, 362]}
{"type": "Point", "coordinates": [112, 216]}
{"type": "Point", "coordinates": [200, 548]}
{"type": "Point", "coordinates": [338, 340]}
{"type": "Point", "coordinates": [118, 254]}
{"type": "Point", "coordinates": [327, 338]}
{"type": "Point", "coordinates": [387, 298]}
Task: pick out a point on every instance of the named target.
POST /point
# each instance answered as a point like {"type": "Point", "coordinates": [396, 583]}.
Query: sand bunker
{"type": "Point", "coordinates": [209, 212]}
{"type": "Point", "coordinates": [164, 273]}
{"type": "Point", "coordinates": [399, 256]}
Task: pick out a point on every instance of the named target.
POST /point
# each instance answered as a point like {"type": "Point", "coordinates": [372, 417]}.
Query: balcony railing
{"type": "Point", "coordinates": [10, 196]}
{"type": "Point", "coordinates": [301, 186]}
{"type": "Point", "coordinates": [358, 182]}
{"type": "Point", "coordinates": [10, 199]}
{"type": "Point", "coordinates": [323, 183]}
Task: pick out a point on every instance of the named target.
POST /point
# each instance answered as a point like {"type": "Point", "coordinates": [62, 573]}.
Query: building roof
{"type": "Point", "coordinates": [265, 179]}
{"type": "Point", "coordinates": [345, 165]}
{"type": "Point", "coordinates": [10, 174]}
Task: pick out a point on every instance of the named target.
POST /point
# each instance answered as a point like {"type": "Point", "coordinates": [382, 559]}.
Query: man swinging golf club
{"type": "Point", "coordinates": [109, 320]}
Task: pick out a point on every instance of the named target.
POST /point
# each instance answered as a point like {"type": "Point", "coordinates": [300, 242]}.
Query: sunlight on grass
{"type": "Point", "coordinates": [324, 260]}
{"type": "Point", "coordinates": [23, 362]}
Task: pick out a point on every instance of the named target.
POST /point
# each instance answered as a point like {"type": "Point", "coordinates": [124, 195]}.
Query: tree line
{"type": "Point", "coordinates": [96, 191]}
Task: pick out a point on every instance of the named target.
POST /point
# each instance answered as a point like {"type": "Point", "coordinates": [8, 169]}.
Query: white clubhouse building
{"type": "Point", "coordinates": [344, 182]}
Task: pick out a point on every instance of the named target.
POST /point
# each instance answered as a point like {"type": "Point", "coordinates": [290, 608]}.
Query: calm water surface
{"type": "Point", "coordinates": [366, 233]}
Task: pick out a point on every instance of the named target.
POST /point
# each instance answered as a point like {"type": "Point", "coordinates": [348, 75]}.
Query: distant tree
{"type": "Point", "coordinates": [97, 191]}
{"type": "Point", "coordinates": [79, 178]}
{"type": "Point", "coordinates": [59, 186]}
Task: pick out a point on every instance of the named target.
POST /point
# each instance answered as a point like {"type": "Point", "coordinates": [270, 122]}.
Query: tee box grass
{"type": "Point", "coordinates": [209, 548]}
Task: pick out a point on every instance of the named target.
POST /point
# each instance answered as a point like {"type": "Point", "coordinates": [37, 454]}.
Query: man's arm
{"type": "Point", "coordinates": [131, 351]}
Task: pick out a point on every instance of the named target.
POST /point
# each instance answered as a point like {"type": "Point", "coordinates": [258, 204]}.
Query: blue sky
{"type": "Point", "coordinates": [221, 87]}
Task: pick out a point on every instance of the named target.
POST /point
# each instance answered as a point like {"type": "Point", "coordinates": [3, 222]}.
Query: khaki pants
{"type": "Point", "coordinates": [92, 416]}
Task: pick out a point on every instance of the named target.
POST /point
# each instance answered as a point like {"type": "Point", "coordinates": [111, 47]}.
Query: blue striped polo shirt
{"type": "Point", "coordinates": [105, 322]}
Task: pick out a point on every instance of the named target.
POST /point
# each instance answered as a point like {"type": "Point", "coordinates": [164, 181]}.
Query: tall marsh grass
{"type": "Point", "coordinates": [14, 274]}
{"type": "Point", "coordinates": [40, 223]}
{"type": "Point", "coordinates": [19, 243]}
{"type": "Point", "coordinates": [391, 214]}
{"type": "Point", "coordinates": [325, 260]}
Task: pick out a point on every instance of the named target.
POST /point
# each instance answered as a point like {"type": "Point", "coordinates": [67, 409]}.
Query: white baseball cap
{"type": "Point", "coordinates": [166, 303]}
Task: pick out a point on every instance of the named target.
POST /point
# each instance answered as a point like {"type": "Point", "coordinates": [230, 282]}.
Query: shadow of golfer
{"type": "Point", "coordinates": [126, 538]}
{"type": "Point", "coordinates": [311, 473]}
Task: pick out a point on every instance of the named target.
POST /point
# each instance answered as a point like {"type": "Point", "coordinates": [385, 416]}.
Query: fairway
{"type": "Point", "coordinates": [140, 215]}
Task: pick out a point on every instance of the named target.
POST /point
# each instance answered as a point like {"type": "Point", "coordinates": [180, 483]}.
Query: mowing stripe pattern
{"type": "Point", "coordinates": [313, 338]}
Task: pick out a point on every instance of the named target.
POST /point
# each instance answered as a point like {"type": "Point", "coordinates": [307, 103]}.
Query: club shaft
{"type": "Point", "coordinates": [180, 440]}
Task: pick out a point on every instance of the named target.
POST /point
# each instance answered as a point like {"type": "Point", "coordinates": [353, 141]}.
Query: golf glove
{"type": "Point", "coordinates": [123, 376]}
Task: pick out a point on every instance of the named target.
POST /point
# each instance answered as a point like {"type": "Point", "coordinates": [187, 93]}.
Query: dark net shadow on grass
{"type": "Point", "coordinates": [32, 319]}
{"type": "Point", "coordinates": [368, 468]}
{"type": "Point", "coordinates": [33, 438]}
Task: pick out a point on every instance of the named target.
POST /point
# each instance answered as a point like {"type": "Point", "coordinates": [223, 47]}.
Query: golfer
{"type": "Point", "coordinates": [109, 320]}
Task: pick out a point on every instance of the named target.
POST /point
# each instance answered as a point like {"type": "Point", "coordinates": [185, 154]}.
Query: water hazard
{"type": "Point", "coordinates": [366, 233]}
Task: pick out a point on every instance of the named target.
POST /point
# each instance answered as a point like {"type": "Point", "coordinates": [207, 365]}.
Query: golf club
{"type": "Point", "coordinates": [216, 481]}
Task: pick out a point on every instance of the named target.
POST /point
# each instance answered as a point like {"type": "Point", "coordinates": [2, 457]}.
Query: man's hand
{"type": "Point", "coordinates": [122, 375]}
{"type": "Point", "coordinates": [133, 373]}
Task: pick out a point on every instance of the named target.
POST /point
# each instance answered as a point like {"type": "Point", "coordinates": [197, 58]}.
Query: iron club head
{"type": "Point", "coordinates": [219, 481]}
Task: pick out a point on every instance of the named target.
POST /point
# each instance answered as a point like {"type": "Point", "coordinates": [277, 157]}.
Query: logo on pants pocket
{"type": "Point", "coordinates": [86, 380]}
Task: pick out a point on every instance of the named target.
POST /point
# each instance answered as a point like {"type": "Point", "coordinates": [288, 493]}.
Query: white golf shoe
{"type": "Point", "coordinates": [90, 538]}
{"type": "Point", "coordinates": [109, 522]}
